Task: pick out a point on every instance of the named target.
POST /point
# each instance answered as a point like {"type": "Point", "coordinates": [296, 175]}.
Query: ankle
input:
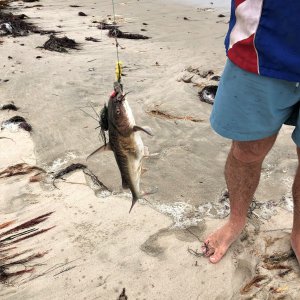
{"type": "Point", "coordinates": [237, 222]}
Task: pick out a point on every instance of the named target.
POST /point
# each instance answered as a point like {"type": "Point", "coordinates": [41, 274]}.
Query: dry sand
{"type": "Point", "coordinates": [97, 248]}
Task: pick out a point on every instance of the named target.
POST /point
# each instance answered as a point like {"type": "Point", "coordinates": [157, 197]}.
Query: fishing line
{"type": "Point", "coordinates": [118, 71]}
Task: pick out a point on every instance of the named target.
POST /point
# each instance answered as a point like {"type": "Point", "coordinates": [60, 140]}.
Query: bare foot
{"type": "Point", "coordinates": [295, 243]}
{"type": "Point", "coordinates": [217, 244]}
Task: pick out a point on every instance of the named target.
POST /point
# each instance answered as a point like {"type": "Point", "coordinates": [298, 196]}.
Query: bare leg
{"type": "Point", "coordinates": [242, 174]}
{"type": "Point", "coordinates": [295, 237]}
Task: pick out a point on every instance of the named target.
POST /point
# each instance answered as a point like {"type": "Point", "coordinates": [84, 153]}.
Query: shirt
{"type": "Point", "coordinates": [264, 37]}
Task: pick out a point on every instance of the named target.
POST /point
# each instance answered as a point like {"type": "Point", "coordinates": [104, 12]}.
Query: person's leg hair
{"type": "Point", "coordinates": [242, 174]}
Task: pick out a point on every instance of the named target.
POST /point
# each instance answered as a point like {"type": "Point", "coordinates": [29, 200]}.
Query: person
{"type": "Point", "coordinates": [258, 93]}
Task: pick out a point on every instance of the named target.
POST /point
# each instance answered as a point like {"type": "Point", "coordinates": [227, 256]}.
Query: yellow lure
{"type": "Point", "coordinates": [119, 70]}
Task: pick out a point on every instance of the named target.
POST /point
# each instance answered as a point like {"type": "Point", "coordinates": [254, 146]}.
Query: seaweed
{"type": "Point", "coordinates": [255, 281]}
{"type": "Point", "coordinates": [19, 169]}
{"type": "Point", "coordinates": [96, 180]}
{"type": "Point", "coordinates": [15, 25]}
{"type": "Point", "coordinates": [9, 106]}
{"type": "Point", "coordinates": [215, 78]}
{"type": "Point", "coordinates": [15, 235]}
{"type": "Point", "coordinates": [164, 115]}
{"type": "Point", "coordinates": [27, 224]}
{"type": "Point", "coordinates": [37, 177]}
{"type": "Point", "coordinates": [91, 39]}
{"type": "Point", "coordinates": [270, 266]}
{"type": "Point", "coordinates": [4, 276]}
{"type": "Point", "coordinates": [15, 119]}
{"type": "Point", "coordinates": [32, 6]}
{"type": "Point", "coordinates": [283, 273]}
{"type": "Point", "coordinates": [68, 169]}
{"type": "Point", "coordinates": [60, 44]}
{"type": "Point", "coordinates": [20, 121]}
{"type": "Point", "coordinates": [31, 235]}
{"type": "Point", "coordinates": [203, 74]}
{"type": "Point", "coordinates": [106, 26]}
{"type": "Point", "coordinates": [6, 224]}
{"type": "Point", "coordinates": [26, 126]}
{"type": "Point", "coordinates": [278, 257]}
{"type": "Point", "coordinates": [117, 33]}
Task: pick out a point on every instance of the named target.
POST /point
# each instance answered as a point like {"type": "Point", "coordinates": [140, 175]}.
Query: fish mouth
{"type": "Point", "coordinates": [121, 98]}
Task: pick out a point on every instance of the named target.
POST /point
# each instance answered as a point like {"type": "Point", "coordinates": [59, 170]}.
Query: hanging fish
{"type": "Point", "coordinates": [124, 140]}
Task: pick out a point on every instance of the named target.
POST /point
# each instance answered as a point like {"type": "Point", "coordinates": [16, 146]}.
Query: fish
{"type": "Point", "coordinates": [124, 140]}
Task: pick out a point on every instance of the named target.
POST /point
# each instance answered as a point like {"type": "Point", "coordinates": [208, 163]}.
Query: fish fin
{"type": "Point", "coordinates": [146, 129]}
{"type": "Point", "coordinates": [106, 147]}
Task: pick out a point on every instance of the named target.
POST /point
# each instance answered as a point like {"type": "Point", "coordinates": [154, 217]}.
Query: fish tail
{"type": "Point", "coordinates": [134, 200]}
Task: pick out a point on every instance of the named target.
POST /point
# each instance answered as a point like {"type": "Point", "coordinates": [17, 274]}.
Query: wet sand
{"type": "Point", "coordinates": [146, 251]}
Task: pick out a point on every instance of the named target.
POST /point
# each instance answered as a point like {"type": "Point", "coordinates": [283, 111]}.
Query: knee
{"type": "Point", "coordinates": [249, 152]}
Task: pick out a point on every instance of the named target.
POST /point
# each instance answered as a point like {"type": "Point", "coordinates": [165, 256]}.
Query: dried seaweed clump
{"type": "Point", "coordinates": [12, 262]}
{"type": "Point", "coordinates": [115, 32]}
{"type": "Point", "coordinates": [15, 25]}
{"type": "Point", "coordinates": [19, 169]}
{"type": "Point", "coordinates": [60, 44]}
{"type": "Point", "coordinates": [9, 106]}
{"type": "Point", "coordinates": [106, 26]}
{"type": "Point", "coordinates": [92, 39]}
{"type": "Point", "coordinates": [19, 121]}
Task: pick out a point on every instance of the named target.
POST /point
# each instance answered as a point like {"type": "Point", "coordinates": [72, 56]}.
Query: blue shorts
{"type": "Point", "coordinates": [250, 107]}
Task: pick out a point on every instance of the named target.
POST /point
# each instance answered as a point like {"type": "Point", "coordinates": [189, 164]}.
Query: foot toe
{"type": "Point", "coordinates": [216, 257]}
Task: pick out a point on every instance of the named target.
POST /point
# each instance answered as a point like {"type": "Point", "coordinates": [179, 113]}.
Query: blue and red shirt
{"type": "Point", "coordinates": [264, 37]}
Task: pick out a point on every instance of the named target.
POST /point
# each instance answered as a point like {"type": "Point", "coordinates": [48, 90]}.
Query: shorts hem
{"type": "Point", "coordinates": [241, 137]}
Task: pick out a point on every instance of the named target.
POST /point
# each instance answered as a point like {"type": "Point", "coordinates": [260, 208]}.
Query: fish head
{"type": "Point", "coordinates": [120, 114]}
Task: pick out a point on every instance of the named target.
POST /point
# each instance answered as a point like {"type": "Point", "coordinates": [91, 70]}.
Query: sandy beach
{"type": "Point", "coordinates": [89, 247]}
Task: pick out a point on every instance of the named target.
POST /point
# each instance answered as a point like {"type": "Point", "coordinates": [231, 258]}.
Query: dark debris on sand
{"type": "Point", "coordinates": [60, 44]}
{"type": "Point", "coordinates": [82, 14]}
{"type": "Point", "coordinates": [106, 26]}
{"type": "Point", "coordinates": [115, 32]}
{"type": "Point", "coordinates": [14, 263]}
{"type": "Point", "coordinates": [68, 169]}
{"type": "Point", "coordinates": [32, 6]}
{"type": "Point", "coordinates": [18, 25]}
{"type": "Point", "coordinates": [123, 295]}
{"type": "Point", "coordinates": [91, 39]}
{"type": "Point", "coordinates": [19, 169]}
{"type": "Point", "coordinates": [18, 120]}
{"type": "Point", "coordinates": [15, 25]}
{"type": "Point", "coordinates": [15, 119]}
{"type": "Point", "coordinates": [208, 93]}
{"type": "Point", "coordinates": [9, 106]}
